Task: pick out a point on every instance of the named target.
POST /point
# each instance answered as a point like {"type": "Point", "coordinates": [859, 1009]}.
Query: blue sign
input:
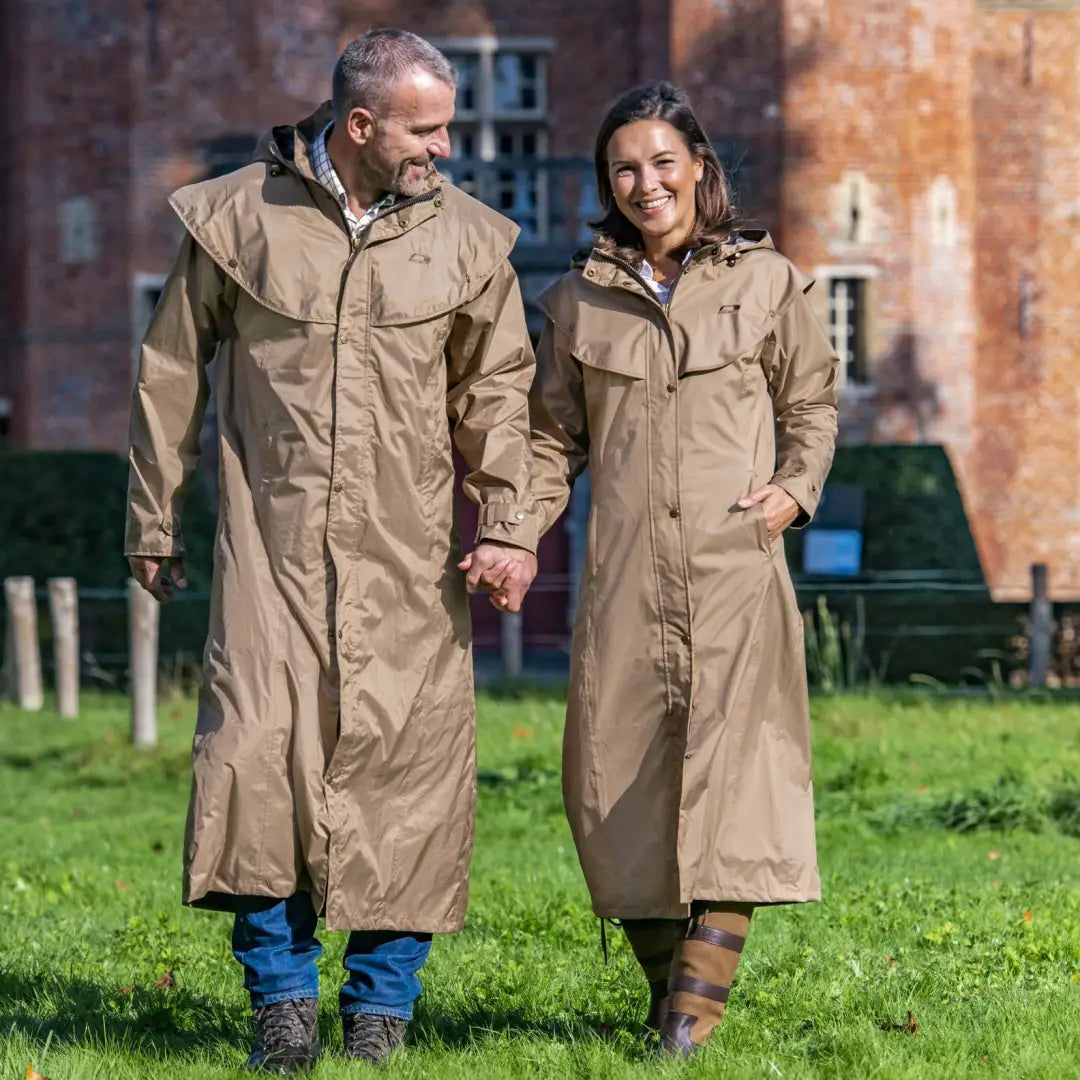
{"type": "Point", "coordinates": [832, 551]}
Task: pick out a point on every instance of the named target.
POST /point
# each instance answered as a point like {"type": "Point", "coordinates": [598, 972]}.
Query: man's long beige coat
{"type": "Point", "coordinates": [687, 748]}
{"type": "Point", "coordinates": [334, 749]}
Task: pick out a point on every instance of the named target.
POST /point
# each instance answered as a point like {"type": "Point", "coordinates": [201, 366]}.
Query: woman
{"type": "Point", "coordinates": [681, 362]}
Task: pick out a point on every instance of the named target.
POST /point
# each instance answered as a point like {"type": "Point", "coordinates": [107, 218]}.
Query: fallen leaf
{"type": "Point", "coordinates": [890, 960]}
{"type": "Point", "coordinates": [997, 884]}
{"type": "Point", "coordinates": [910, 1028]}
{"type": "Point", "coordinates": [174, 713]}
{"type": "Point", "coordinates": [1028, 916]}
{"type": "Point", "coordinates": [923, 787]}
{"type": "Point", "coordinates": [523, 733]}
{"type": "Point", "coordinates": [122, 886]}
{"type": "Point", "coordinates": [124, 991]}
{"type": "Point", "coordinates": [993, 856]}
{"type": "Point", "coordinates": [165, 981]}
{"type": "Point", "coordinates": [32, 1074]}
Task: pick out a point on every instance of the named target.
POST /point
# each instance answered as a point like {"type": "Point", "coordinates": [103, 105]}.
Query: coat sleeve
{"type": "Point", "coordinates": [559, 422]}
{"type": "Point", "coordinates": [170, 399]}
{"type": "Point", "coordinates": [802, 378]}
{"type": "Point", "coordinates": [490, 368]}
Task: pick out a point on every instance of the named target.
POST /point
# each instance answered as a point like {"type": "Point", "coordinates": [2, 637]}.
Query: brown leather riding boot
{"type": "Point", "coordinates": [701, 973]}
{"type": "Point", "coordinates": [653, 942]}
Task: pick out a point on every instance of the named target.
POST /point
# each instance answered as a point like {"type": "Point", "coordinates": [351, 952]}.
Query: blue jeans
{"type": "Point", "coordinates": [275, 941]}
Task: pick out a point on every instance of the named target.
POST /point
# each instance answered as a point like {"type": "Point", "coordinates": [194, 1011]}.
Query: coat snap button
{"type": "Point", "coordinates": [590, 272]}
{"type": "Point", "coordinates": [672, 387]}
{"type": "Point", "coordinates": [519, 516]}
{"type": "Point", "coordinates": [232, 263]}
{"type": "Point", "coordinates": [686, 639]}
{"type": "Point", "coordinates": [674, 512]}
{"type": "Point", "coordinates": [343, 339]}
{"type": "Point", "coordinates": [338, 485]}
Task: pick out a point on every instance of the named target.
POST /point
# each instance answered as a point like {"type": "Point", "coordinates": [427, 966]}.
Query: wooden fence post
{"type": "Point", "coordinates": [144, 614]}
{"type": "Point", "coordinates": [1041, 627]}
{"type": "Point", "coordinates": [22, 649]}
{"type": "Point", "coordinates": [64, 608]}
{"type": "Point", "coordinates": [510, 626]}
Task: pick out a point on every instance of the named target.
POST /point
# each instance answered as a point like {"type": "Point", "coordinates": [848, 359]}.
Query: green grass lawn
{"type": "Point", "coordinates": [947, 832]}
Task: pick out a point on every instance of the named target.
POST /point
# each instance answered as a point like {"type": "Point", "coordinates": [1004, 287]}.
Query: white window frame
{"type": "Point", "coordinates": [485, 116]}
{"type": "Point", "coordinates": [485, 119]}
{"type": "Point", "coordinates": [825, 276]}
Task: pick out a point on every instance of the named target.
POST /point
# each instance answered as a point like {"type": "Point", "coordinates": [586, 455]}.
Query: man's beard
{"type": "Point", "coordinates": [395, 179]}
{"type": "Point", "coordinates": [406, 184]}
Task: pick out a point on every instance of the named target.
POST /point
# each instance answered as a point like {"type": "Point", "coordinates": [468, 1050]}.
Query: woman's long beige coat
{"type": "Point", "coordinates": [335, 741]}
{"type": "Point", "coordinates": [687, 748]}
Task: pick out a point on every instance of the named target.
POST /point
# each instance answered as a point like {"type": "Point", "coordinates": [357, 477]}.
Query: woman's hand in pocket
{"type": "Point", "coordinates": [779, 507]}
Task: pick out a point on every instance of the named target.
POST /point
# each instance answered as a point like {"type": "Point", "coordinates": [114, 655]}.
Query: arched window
{"type": "Point", "coordinates": [943, 212]}
{"type": "Point", "coordinates": [855, 208]}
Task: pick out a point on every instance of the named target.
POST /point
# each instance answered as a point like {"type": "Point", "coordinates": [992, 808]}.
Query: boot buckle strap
{"type": "Point", "coordinates": [723, 939]}
{"type": "Point", "coordinates": [687, 984]}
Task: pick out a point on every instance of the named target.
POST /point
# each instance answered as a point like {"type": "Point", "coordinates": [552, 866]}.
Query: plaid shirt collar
{"type": "Point", "coordinates": [327, 175]}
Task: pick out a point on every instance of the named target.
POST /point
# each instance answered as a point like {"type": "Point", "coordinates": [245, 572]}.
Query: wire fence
{"type": "Point", "coordinates": [888, 627]}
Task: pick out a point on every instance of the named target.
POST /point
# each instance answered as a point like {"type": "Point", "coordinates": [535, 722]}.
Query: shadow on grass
{"type": "Point", "coordinates": [178, 1022]}
{"type": "Point", "coordinates": [77, 1012]}
{"type": "Point", "coordinates": [464, 1031]}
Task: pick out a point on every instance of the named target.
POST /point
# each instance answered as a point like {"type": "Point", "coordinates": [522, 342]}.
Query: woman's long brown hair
{"type": "Point", "coordinates": [714, 214]}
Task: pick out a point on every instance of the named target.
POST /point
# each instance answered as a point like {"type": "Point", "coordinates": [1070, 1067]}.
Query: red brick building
{"type": "Point", "coordinates": [921, 157]}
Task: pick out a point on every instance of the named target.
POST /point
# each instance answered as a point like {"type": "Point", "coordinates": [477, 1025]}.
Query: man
{"type": "Point", "coordinates": [353, 301]}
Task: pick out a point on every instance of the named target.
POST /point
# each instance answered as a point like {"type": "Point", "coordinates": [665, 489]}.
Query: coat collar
{"type": "Point", "coordinates": [602, 269]}
{"type": "Point", "coordinates": [288, 147]}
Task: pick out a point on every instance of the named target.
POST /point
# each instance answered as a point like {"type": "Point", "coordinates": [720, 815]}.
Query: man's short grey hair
{"type": "Point", "coordinates": [372, 64]}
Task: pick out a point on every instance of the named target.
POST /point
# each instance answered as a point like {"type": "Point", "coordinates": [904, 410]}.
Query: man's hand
{"type": "Point", "coordinates": [780, 508]}
{"type": "Point", "coordinates": [506, 572]}
{"type": "Point", "coordinates": [149, 572]}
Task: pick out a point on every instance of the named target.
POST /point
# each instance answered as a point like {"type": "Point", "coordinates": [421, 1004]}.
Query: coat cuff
{"type": "Point", "coordinates": [160, 539]}
{"type": "Point", "coordinates": [508, 523]}
{"type": "Point", "coordinates": [804, 490]}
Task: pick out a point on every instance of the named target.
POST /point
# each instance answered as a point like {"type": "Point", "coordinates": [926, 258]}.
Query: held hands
{"type": "Point", "coordinates": [780, 508]}
{"type": "Point", "coordinates": [506, 572]}
{"type": "Point", "coordinates": [149, 572]}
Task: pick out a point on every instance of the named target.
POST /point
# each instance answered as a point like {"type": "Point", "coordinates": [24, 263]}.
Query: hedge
{"type": "Point", "coordinates": [62, 515]}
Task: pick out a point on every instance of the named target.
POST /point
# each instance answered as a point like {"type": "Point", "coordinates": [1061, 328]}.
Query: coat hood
{"type": "Point", "coordinates": [736, 242]}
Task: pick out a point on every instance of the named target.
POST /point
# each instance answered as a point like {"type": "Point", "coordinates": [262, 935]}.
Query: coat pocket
{"type": "Point", "coordinates": [405, 293]}
{"type": "Point", "coordinates": [724, 334]}
{"type": "Point", "coordinates": [613, 357]}
{"type": "Point", "coordinates": [761, 529]}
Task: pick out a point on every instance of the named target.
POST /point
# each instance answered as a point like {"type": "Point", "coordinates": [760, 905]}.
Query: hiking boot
{"type": "Point", "coordinates": [372, 1038]}
{"type": "Point", "coordinates": [286, 1037]}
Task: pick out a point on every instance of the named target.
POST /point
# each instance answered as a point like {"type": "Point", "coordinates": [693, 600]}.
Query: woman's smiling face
{"type": "Point", "coordinates": [653, 177]}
